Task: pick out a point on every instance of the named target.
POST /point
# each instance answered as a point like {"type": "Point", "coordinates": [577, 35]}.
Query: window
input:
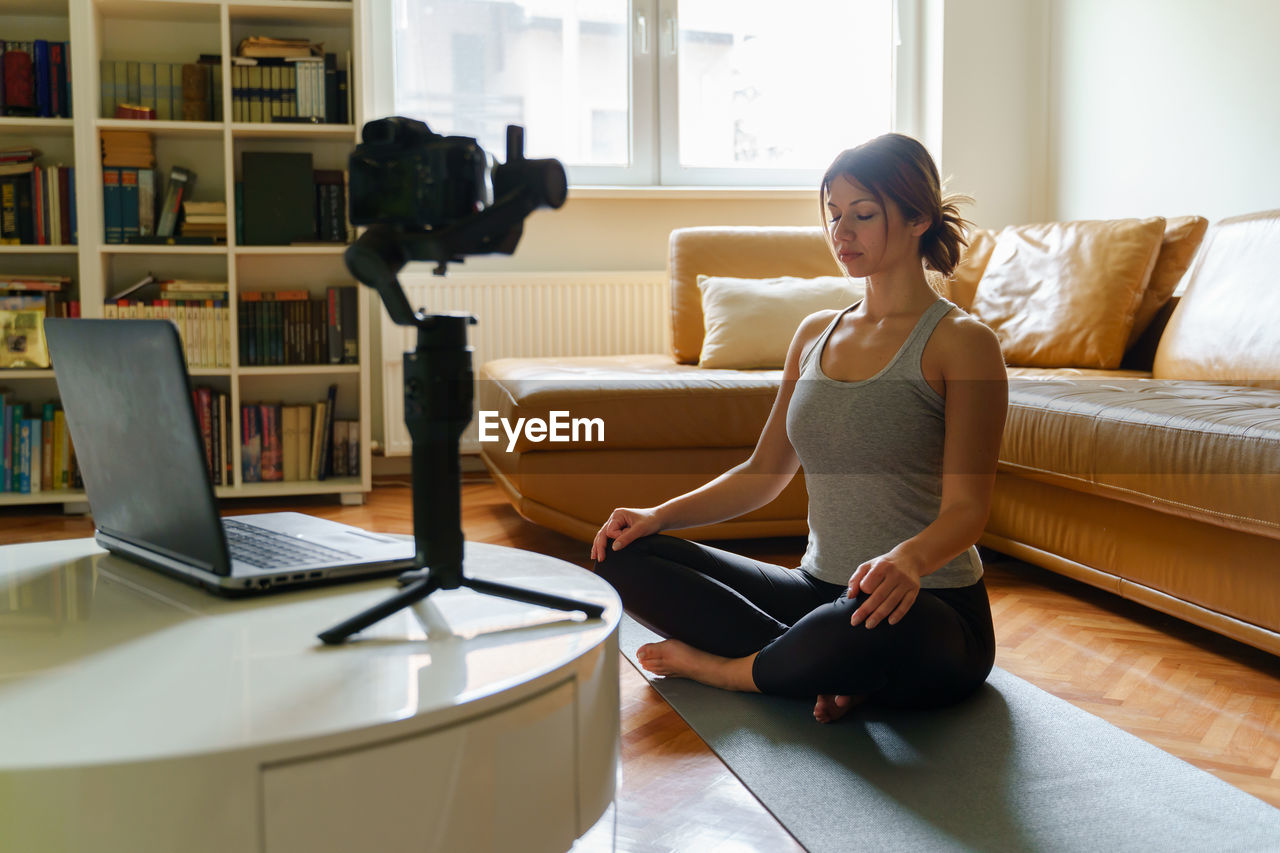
{"type": "Point", "coordinates": [654, 92]}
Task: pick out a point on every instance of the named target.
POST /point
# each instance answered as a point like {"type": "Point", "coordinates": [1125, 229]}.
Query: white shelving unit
{"type": "Point", "coordinates": [179, 31]}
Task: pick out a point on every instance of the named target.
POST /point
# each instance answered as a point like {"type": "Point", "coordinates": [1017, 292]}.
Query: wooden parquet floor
{"type": "Point", "coordinates": [1206, 699]}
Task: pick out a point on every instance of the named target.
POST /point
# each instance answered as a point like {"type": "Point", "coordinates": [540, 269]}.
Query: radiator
{"type": "Point", "coordinates": [526, 315]}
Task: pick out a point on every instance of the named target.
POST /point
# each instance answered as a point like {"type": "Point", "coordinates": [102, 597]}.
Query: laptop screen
{"type": "Point", "coordinates": [128, 406]}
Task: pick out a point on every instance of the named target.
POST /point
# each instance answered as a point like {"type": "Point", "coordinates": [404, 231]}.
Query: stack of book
{"type": "Point", "coordinates": [297, 442]}
{"type": "Point", "coordinates": [131, 148]}
{"type": "Point", "coordinates": [290, 327]}
{"type": "Point", "coordinates": [35, 78]}
{"type": "Point", "coordinates": [205, 219]}
{"type": "Point", "coordinates": [174, 91]}
{"type": "Point", "coordinates": [53, 290]}
{"type": "Point", "coordinates": [198, 308]}
{"type": "Point", "coordinates": [37, 203]}
{"type": "Point", "coordinates": [128, 185]}
{"type": "Point", "coordinates": [288, 80]}
{"type": "Point", "coordinates": [35, 450]}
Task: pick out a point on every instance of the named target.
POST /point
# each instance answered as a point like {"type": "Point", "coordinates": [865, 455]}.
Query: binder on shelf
{"type": "Point", "coordinates": [277, 198]}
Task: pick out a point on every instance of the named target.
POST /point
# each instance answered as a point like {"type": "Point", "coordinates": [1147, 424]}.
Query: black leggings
{"type": "Point", "coordinates": [732, 606]}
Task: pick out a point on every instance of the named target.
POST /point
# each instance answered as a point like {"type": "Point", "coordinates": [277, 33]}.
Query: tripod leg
{"type": "Point", "coordinates": [528, 596]}
{"type": "Point", "coordinates": [405, 597]}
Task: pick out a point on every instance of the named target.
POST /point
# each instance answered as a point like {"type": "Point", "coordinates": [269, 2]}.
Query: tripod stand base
{"type": "Point", "coordinates": [419, 583]}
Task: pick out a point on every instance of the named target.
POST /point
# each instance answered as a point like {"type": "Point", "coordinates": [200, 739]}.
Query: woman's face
{"type": "Point", "coordinates": [868, 237]}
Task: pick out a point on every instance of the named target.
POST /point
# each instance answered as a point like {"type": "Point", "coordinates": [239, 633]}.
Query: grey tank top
{"type": "Point", "coordinates": [872, 457]}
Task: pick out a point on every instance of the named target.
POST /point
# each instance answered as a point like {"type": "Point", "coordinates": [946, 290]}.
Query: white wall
{"type": "Point", "coordinates": [1164, 107]}
{"type": "Point", "coordinates": [991, 109]}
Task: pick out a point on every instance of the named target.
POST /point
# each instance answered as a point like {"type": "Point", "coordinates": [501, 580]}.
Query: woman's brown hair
{"type": "Point", "coordinates": [898, 167]}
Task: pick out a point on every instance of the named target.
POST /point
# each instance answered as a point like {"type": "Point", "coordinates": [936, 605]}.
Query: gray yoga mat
{"type": "Point", "coordinates": [1014, 768]}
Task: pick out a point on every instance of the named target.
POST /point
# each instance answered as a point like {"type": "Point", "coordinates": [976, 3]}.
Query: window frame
{"type": "Point", "coordinates": [653, 103]}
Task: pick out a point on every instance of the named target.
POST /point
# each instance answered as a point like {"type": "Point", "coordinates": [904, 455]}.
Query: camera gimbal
{"type": "Point", "coordinates": [438, 379]}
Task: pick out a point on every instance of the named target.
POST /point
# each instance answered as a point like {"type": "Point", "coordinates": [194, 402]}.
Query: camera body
{"type": "Point", "coordinates": [404, 174]}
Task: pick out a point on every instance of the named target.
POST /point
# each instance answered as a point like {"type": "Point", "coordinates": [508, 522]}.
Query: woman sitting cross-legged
{"type": "Point", "coordinates": [895, 407]}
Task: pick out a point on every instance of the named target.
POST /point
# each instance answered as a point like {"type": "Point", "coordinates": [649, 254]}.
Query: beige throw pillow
{"type": "Point", "coordinates": [1065, 294]}
{"type": "Point", "coordinates": [749, 322]}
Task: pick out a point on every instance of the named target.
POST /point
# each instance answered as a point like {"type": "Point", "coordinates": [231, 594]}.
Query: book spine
{"type": "Point", "coordinates": [334, 325]}
{"type": "Point", "coordinates": [71, 198]}
{"type": "Point", "coordinates": [326, 450]}
{"type": "Point", "coordinates": [129, 220]}
{"type": "Point", "coordinates": [61, 451]}
{"type": "Point", "coordinates": [216, 428]}
{"type": "Point", "coordinates": [304, 442]}
{"type": "Point", "coordinates": [64, 205]}
{"type": "Point", "coordinates": [46, 446]}
{"type": "Point", "coordinates": [121, 76]}
{"type": "Point", "coordinates": [25, 188]}
{"type": "Point", "coordinates": [40, 58]}
{"type": "Point", "coordinates": [353, 449]}
{"type": "Point", "coordinates": [10, 233]}
{"type": "Point", "coordinates": [251, 445]}
{"type": "Point", "coordinates": [38, 204]}
{"type": "Point", "coordinates": [112, 213]}
{"type": "Point", "coordinates": [133, 84]}
{"type": "Point", "coordinates": [147, 92]}
{"type": "Point", "coordinates": [57, 81]}
{"type": "Point", "coordinates": [23, 462]}
{"type": "Point", "coordinates": [146, 202]}
{"type": "Point", "coordinates": [350, 308]}
{"type": "Point", "coordinates": [6, 463]}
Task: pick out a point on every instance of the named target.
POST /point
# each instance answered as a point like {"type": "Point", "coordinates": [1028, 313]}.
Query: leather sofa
{"type": "Point", "coordinates": [1157, 478]}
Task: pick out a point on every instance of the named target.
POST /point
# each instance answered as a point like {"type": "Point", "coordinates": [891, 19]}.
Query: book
{"type": "Point", "coordinates": [22, 343]}
{"type": "Point", "coordinates": [180, 182]}
{"type": "Point", "coordinates": [278, 198]}
{"type": "Point", "coordinates": [326, 439]}
{"type": "Point", "coordinates": [290, 441]}
{"type": "Point", "coordinates": [250, 444]}
{"type": "Point", "coordinates": [318, 421]}
{"type": "Point", "coordinates": [266, 46]}
{"type": "Point", "coordinates": [303, 462]}
{"type": "Point", "coordinates": [111, 212]}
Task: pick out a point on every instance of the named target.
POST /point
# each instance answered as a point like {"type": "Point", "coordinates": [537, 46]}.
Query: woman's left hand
{"type": "Point", "coordinates": [892, 582]}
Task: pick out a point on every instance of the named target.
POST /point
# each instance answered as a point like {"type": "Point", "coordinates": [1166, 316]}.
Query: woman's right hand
{"type": "Point", "coordinates": [624, 526]}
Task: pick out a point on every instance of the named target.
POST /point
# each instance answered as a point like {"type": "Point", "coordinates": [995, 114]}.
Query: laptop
{"type": "Point", "coordinates": [127, 401]}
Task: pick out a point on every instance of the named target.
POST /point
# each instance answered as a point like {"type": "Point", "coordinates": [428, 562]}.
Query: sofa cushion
{"type": "Point", "coordinates": [1182, 236]}
{"type": "Point", "coordinates": [1195, 449]}
{"type": "Point", "coordinates": [1225, 327]}
{"type": "Point", "coordinates": [1065, 294]}
{"type": "Point", "coordinates": [750, 321]}
{"type": "Point", "coordinates": [963, 282]}
{"type": "Point", "coordinates": [644, 401]}
{"type": "Point", "coordinates": [743, 252]}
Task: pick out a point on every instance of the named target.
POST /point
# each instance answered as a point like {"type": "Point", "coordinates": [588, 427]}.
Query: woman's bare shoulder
{"type": "Point", "coordinates": [968, 346]}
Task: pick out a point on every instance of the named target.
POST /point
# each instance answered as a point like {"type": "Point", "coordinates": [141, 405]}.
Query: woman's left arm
{"type": "Point", "coordinates": [977, 398]}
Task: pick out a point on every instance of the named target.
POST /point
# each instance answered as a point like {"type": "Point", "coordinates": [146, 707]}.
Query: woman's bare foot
{"type": "Point", "coordinates": [672, 657]}
{"type": "Point", "coordinates": [830, 708]}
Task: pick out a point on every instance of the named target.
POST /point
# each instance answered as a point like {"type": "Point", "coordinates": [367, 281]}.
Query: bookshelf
{"type": "Point", "coordinates": [171, 32]}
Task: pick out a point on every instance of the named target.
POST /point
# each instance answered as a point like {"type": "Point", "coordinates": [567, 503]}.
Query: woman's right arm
{"type": "Point", "coordinates": [743, 488]}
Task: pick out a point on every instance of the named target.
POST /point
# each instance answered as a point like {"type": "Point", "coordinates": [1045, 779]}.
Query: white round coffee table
{"type": "Point", "coordinates": [139, 713]}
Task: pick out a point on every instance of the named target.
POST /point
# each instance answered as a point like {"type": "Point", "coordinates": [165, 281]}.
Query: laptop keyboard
{"type": "Point", "coordinates": [267, 549]}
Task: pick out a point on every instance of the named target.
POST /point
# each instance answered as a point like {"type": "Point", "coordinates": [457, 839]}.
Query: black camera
{"type": "Point", "coordinates": [405, 174]}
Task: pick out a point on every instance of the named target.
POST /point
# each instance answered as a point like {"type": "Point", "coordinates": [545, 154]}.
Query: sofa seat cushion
{"type": "Point", "coordinates": [644, 401]}
{"type": "Point", "coordinates": [1194, 449]}
{"type": "Point", "coordinates": [1074, 373]}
